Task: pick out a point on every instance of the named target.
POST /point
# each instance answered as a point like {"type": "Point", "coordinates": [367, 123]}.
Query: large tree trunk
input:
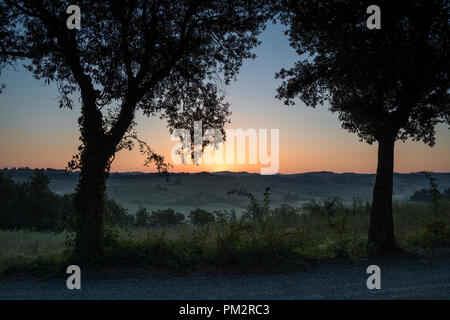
{"type": "Point", "coordinates": [90, 192]}
{"type": "Point", "coordinates": [90, 205]}
{"type": "Point", "coordinates": [98, 148]}
{"type": "Point", "coordinates": [381, 229]}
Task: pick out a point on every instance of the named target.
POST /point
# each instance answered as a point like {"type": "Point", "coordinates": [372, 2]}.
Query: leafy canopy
{"type": "Point", "coordinates": [163, 57]}
{"type": "Point", "coordinates": [392, 82]}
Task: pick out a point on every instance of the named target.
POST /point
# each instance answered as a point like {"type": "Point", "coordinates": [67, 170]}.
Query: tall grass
{"type": "Point", "coordinates": [23, 251]}
{"type": "Point", "coordinates": [286, 236]}
{"type": "Point", "coordinates": [30, 243]}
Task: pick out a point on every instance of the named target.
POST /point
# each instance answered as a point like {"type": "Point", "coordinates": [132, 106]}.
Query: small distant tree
{"type": "Point", "coordinates": [165, 218]}
{"type": "Point", "coordinates": [142, 217]}
{"type": "Point", "coordinates": [199, 217]}
{"type": "Point", "coordinates": [9, 197]}
{"type": "Point", "coordinates": [421, 195]}
{"type": "Point", "coordinates": [116, 215]}
{"type": "Point", "coordinates": [39, 183]}
{"type": "Point", "coordinates": [447, 193]}
{"type": "Point", "coordinates": [40, 205]}
{"type": "Point", "coordinates": [385, 84]}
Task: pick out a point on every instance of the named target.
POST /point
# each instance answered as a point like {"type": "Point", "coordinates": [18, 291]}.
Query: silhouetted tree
{"type": "Point", "coordinates": [200, 217]}
{"type": "Point", "coordinates": [386, 84]}
{"type": "Point", "coordinates": [159, 57]}
{"type": "Point", "coordinates": [39, 183]}
{"type": "Point", "coordinates": [141, 218]}
{"type": "Point", "coordinates": [447, 193]}
{"type": "Point", "coordinates": [41, 203]}
{"type": "Point", "coordinates": [9, 196]}
{"type": "Point", "coordinates": [165, 218]}
{"type": "Point", "coordinates": [31, 205]}
{"type": "Point", "coordinates": [423, 195]}
{"type": "Point", "coordinates": [116, 215]}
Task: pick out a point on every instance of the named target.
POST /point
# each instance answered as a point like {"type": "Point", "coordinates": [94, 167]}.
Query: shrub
{"type": "Point", "coordinates": [224, 217]}
{"type": "Point", "coordinates": [327, 207]}
{"type": "Point", "coordinates": [285, 214]}
{"type": "Point", "coordinates": [259, 212]}
{"type": "Point", "coordinates": [116, 215]}
{"type": "Point", "coordinates": [141, 218]}
{"type": "Point", "coordinates": [165, 218]}
{"type": "Point", "coordinates": [435, 233]}
{"type": "Point", "coordinates": [240, 247]}
{"type": "Point", "coordinates": [199, 217]}
{"type": "Point", "coordinates": [422, 195]}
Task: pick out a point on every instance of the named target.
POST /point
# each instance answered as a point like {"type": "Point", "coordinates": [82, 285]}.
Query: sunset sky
{"type": "Point", "coordinates": [34, 132]}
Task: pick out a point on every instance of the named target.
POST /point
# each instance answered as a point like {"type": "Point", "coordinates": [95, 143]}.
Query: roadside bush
{"type": "Point", "coordinates": [343, 247]}
{"type": "Point", "coordinates": [435, 233]}
{"type": "Point", "coordinates": [239, 246]}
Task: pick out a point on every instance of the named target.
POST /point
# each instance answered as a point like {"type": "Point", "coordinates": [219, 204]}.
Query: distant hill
{"type": "Point", "coordinates": [186, 191]}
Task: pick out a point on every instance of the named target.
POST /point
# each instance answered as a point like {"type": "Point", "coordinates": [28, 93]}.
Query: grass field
{"type": "Point", "coordinates": [280, 239]}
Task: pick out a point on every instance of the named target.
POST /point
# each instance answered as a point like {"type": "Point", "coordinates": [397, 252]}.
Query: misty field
{"type": "Point", "coordinates": [184, 192]}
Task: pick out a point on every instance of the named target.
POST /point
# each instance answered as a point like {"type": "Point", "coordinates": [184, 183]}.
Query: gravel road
{"type": "Point", "coordinates": [419, 278]}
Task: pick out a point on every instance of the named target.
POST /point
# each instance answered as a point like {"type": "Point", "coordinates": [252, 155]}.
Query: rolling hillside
{"type": "Point", "coordinates": [184, 191]}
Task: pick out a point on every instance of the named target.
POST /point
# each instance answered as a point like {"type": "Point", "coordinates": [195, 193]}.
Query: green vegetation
{"type": "Point", "coordinates": [200, 218]}
{"type": "Point", "coordinates": [286, 237]}
{"type": "Point", "coordinates": [261, 237]}
{"type": "Point", "coordinates": [208, 190]}
{"type": "Point", "coordinates": [159, 218]}
{"type": "Point", "coordinates": [31, 205]}
{"type": "Point", "coordinates": [430, 195]}
{"type": "Point", "coordinates": [425, 195]}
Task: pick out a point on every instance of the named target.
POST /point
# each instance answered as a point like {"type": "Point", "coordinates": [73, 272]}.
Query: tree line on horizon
{"type": "Point", "coordinates": [172, 58]}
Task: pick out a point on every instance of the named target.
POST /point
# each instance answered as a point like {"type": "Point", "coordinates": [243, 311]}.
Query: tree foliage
{"type": "Point", "coordinates": [31, 205]}
{"type": "Point", "coordinates": [200, 217]}
{"type": "Point", "coordinates": [388, 81]}
{"type": "Point", "coordinates": [160, 57]}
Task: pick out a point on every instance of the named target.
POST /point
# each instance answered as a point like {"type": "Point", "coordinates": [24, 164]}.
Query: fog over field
{"type": "Point", "coordinates": [186, 191]}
